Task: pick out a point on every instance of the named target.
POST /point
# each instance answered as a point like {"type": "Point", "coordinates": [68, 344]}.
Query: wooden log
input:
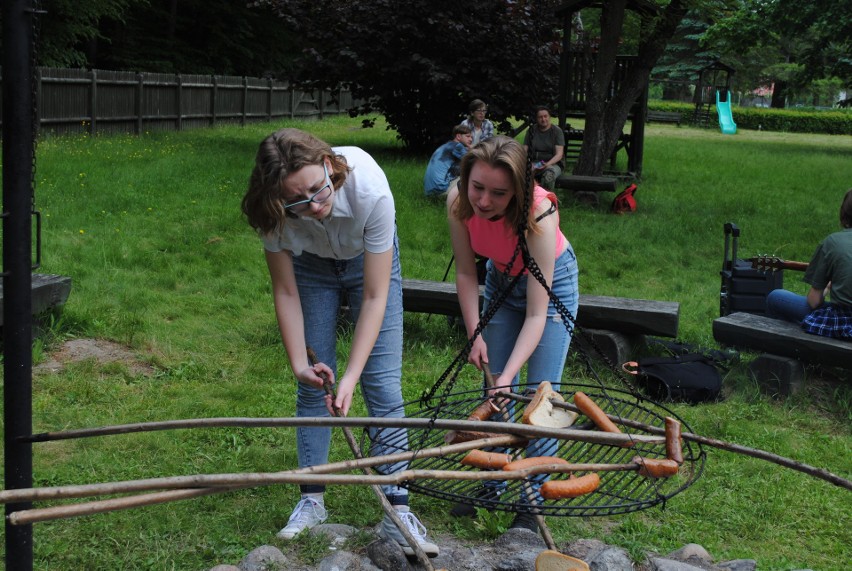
{"type": "Point", "coordinates": [49, 291]}
{"type": "Point", "coordinates": [776, 337]}
{"type": "Point", "coordinates": [579, 183]}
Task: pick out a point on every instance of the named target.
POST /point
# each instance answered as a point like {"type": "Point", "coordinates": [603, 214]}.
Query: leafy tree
{"type": "Point", "coordinates": [66, 27]}
{"type": "Point", "coordinates": [607, 111]}
{"type": "Point", "coordinates": [684, 57]}
{"type": "Point", "coordinates": [193, 36]}
{"type": "Point", "coordinates": [808, 41]}
{"type": "Point", "coordinates": [421, 63]}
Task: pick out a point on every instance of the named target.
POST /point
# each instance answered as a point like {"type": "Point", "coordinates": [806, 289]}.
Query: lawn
{"type": "Point", "coordinates": [149, 229]}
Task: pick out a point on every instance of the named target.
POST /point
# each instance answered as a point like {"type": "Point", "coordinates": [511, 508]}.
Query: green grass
{"type": "Point", "coordinates": [150, 231]}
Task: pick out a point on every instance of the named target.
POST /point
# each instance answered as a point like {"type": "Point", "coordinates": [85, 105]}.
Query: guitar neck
{"type": "Point", "coordinates": [766, 263]}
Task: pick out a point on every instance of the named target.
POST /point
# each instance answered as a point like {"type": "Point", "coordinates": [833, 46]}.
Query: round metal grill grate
{"type": "Point", "coordinates": [619, 492]}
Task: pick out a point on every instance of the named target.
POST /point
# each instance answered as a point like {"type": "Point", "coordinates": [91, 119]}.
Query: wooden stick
{"type": "Point", "coordinates": [389, 510]}
{"type": "Point", "coordinates": [24, 517]}
{"type": "Point", "coordinates": [201, 480]}
{"type": "Point", "coordinates": [526, 430]}
{"type": "Point", "coordinates": [527, 487]}
{"type": "Point", "coordinates": [820, 473]}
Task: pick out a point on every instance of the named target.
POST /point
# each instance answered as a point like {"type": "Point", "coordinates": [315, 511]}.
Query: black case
{"type": "Point", "coordinates": [743, 287]}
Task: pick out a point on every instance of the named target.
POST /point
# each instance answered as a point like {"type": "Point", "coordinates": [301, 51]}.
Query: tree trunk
{"type": "Point", "coordinates": [779, 95]}
{"type": "Point", "coordinates": [606, 113]}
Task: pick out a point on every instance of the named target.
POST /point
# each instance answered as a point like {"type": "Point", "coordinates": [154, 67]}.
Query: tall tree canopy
{"type": "Point", "coordinates": [799, 42]}
{"type": "Point", "coordinates": [421, 63]}
{"type": "Point", "coordinates": [177, 36]}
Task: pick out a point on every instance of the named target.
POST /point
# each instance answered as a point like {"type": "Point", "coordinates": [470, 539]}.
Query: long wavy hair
{"type": "Point", "coordinates": [280, 154]}
{"type": "Point", "coordinates": [504, 153]}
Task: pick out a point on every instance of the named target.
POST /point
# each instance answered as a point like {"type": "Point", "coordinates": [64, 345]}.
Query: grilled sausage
{"type": "Point", "coordinates": [656, 468]}
{"type": "Point", "coordinates": [673, 444]}
{"type": "Point", "coordinates": [571, 488]}
{"type": "Point", "coordinates": [486, 460]}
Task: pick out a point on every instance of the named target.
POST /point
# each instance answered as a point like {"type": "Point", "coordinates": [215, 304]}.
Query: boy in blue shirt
{"type": "Point", "coordinates": [443, 168]}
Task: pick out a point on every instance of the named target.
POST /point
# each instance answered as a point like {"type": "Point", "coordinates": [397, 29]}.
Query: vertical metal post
{"type": "Point", "coordinates": [18, 157]}
{"type": "Point", "coordinates": [93, 103]}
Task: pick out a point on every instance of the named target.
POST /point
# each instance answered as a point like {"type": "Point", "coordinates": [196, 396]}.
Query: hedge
{"type": "Point", "coordinates": [833, 122]}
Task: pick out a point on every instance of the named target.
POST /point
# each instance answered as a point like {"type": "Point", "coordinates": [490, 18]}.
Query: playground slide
{"type": "Point", "coordinates": [726, 119]}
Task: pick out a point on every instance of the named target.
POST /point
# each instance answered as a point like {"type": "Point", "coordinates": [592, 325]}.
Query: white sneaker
{"type": "Point", "coordinates": [307, 514]}
{"type": "Point", "coordinates": [418, 531]}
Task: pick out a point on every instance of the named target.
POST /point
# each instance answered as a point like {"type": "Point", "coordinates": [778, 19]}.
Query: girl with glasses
{"type": "Point", "coordinates": [481, 128]}
{"type": "Point", "coordinates": [327, 221]}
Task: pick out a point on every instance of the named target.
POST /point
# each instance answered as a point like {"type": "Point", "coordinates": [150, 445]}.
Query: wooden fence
{"type": "Point", "coordinates": [74, 101]}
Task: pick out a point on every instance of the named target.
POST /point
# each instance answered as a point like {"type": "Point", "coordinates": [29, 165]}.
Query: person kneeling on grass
{"type": "Point", "coordinates": [327, 221]}
{"type": "Point", "coordinates": [829, 273]}
{"type": "Point", "coordinates": [442, 172]}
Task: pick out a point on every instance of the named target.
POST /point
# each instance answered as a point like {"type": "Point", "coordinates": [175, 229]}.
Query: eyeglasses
{"type": "Point", "coordinates": [319, 196]}
{"type": "Point", "coordinates": [484, 110]}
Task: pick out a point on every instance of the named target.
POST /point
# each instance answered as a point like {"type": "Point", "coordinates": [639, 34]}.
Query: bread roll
{"type": "Point", "coordinates": [541, 412]}
{"type": "Point", "coordinates": [549, 560]}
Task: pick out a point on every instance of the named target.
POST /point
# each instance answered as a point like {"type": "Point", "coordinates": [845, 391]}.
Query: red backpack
{"type": "Point", "coordinates": [624, 200]}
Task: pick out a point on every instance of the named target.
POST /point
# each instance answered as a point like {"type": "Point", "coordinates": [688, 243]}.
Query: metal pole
{"type": "Point", "coordinates": [18, 158]}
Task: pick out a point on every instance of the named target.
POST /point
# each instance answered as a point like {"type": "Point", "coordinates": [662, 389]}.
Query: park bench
{"type": "Point", "coordinates": [615, 324]}
{"type": "Point", "coordinates": [784, 349]}
{"type": "Point", "coordinates": [49, 291]}
{"type": "Point", "coordinates": [664, 117]}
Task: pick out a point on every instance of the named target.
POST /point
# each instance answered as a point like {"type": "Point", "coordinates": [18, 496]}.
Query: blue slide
{"type": "Point", "coordinates": [726, 119]}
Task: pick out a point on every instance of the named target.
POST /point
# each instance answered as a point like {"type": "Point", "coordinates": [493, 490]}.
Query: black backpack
{"type": "Point", "coordinates": [688, 375]}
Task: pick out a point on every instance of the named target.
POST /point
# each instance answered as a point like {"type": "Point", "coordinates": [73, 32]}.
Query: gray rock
{"type": "Point", "coordinates": [584, 549]}
{"type": "Point", "coordinates": [663, 564]}
{"type": "Point", "coordinates": [690, 551]}
{"type": "Point", "coordinates": [367, 565]}
{"type": "Point", "coordinates": [523, 561]}
{"type": "Point", "coordinates": [610, 559]}
{"type": "Point", "coordinates": [387, 555]}
{"type": "Point", "coordinates": [264, 558]}
{"type": "Point", "coordinates": [738, 565]}
{"type": "Point", "coordinates": [520, 538]}
{"type": "Point", "coordinates": [340, 561]}
{"type": "Point", "coordinates": [225, 568]}
{"type": "Point", "coordinates": [461, 559]}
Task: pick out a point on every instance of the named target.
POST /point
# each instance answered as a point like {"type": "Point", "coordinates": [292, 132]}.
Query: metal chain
{"type": "Point", "coordinates": [34, 91]}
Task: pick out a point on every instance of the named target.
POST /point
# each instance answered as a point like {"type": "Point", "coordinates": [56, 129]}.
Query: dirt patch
{"type": "Point", "coordinates": [100, 350]}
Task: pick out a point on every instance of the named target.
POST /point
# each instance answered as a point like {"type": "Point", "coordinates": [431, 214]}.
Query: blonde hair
{"type": "Point", "coordinates": [279, 155]}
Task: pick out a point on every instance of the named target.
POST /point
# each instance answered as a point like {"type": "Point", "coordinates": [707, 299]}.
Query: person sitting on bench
{"type": "Point", "coordinates": [546, 142]}
{"type": "Point", "coordinates": [828, 273]}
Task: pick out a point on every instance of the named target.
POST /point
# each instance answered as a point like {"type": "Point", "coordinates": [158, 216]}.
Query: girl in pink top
{"type": "Point", "coordinates": [484, 212]}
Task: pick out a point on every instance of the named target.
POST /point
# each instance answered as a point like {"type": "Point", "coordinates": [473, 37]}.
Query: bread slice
{"type": "Point", "coordinates": [541, 412]}
{"type": "Point", "coordinates": [549, 560]}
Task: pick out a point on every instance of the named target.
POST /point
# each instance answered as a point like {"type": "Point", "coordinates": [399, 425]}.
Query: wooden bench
{"type": "Point", "coordinates": [664, 117]}
{"type": "Point", "coordinates": [615, 324]}
{"type": "Point", "coordinates": [784, 347]}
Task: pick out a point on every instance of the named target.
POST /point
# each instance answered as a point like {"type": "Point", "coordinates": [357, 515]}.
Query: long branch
{"type": "Point", "coordinates": [591, 436]}
{"type": "Point", "coordinates": [239, 481]}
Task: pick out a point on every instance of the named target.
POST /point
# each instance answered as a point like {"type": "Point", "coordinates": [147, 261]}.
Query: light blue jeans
{"type": "Point", "coordinates": [322, 283]}
{"type": "Point", "coordinates": [548, 358]}
{"type": "Point", "coordinates": [786, 305]}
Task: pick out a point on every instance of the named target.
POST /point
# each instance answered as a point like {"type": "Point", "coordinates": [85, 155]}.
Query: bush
{"type": "Point", "coordinates": [834, 122]}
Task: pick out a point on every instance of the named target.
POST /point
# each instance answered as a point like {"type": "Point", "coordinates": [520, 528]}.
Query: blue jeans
{"type": "Point", "coordinates": [322, 283]}
{"type": "Point", "coordinates": [786, 305]}
{"type": "Point", "coordinates": [548, 358]}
